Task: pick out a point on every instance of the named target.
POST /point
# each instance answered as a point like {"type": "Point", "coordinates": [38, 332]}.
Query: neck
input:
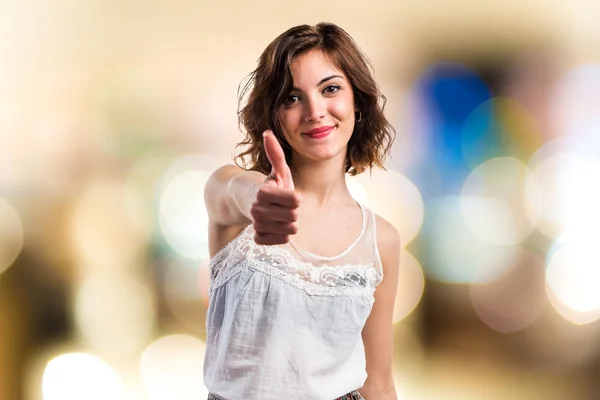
{"type": "Point", "coordinates": [320, 182]}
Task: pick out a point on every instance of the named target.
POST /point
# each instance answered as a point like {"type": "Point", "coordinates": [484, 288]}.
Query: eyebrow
{"type": "Point", "coordinates": [321, 81]}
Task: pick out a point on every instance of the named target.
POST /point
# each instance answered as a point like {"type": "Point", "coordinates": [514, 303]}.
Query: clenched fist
{"type": "Point", "coordinates": [275, 209]}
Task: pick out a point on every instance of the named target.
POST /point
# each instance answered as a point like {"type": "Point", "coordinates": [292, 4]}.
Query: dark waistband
{"type": "Point", "coordinates": [354, 395]}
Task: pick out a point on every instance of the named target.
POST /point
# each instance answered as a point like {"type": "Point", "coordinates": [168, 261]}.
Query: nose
{"type": "Point", "coordinates": [315, 110]}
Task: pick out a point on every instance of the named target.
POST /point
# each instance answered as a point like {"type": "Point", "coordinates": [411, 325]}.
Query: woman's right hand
{"type": "Point", "coordinates": [275, 208]}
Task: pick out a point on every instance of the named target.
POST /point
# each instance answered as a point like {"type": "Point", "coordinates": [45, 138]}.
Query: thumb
{"type": "Point", "coordinates": [280, 170]}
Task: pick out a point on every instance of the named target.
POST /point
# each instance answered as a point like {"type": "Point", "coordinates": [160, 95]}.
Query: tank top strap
{"type": "Point", "coordinates": [370, 243]}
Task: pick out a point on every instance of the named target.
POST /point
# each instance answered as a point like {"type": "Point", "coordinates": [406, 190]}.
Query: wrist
{"type": "Point", "coordinates": [251, 197]}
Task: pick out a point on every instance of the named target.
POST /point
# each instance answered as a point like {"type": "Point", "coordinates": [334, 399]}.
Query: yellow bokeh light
{"type": "Point", "coordinates": [171, 368]}
{"type": "Point", "coordinates": [493, 201]}
{"type": "Point", "coordinates": [394, 197]}
{"type": "Point", "coordinates": [514, 122]}
{"type": "Point", "coordinates": [520, 126]}
{"type": "Point", "coordinates": [114, 312]}
{"type": "Point", "coordinates": [79, 376]}
{"type": "Point", "coordinates": [11, 235]}
{"type": "Point", "coordinates": [411, 284]}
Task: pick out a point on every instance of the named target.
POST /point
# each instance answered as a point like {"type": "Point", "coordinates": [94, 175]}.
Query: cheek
{"type": "Point", "coordinates": [289, 119]}
{"type": "Point", "coordinates": [343, 110]}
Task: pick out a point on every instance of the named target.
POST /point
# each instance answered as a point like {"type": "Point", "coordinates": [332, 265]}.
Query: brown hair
{"type": "Point", "coordinates": [270, 83]}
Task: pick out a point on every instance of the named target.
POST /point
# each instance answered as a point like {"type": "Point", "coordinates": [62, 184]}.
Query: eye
{"type": "Point", "coordinates": [331, 89]}
{"type": "Point", "coordinates": [291, 99]}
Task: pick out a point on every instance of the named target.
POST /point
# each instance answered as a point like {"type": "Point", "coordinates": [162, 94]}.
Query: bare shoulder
{"type": "Point", "coordinates": [216, 183]}
{"type": "Point", "coordinates": [229, 168]}
{"type": "Point", "coordinates": [224, 172]}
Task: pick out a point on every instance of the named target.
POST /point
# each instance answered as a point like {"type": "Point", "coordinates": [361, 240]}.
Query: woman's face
{"type": "Point", "coordinates": [318, 115]}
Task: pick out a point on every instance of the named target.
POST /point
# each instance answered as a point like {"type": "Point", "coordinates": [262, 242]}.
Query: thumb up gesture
{"type": "Point", "coordinates": [275, 209]}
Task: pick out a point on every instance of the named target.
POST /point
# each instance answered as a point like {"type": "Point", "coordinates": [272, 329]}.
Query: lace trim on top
{"type": "Point", "coordinates": [296, 281]}
{"type": "Point", "coordinates": [280, 263]}
{"type": "Point", "coordinates": [377, 255]}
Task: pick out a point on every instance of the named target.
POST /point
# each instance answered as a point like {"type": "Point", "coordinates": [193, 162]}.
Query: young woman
{"type": "Point", "coordinates": [303, 278]}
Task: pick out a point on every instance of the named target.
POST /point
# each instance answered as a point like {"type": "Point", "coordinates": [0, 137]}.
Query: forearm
{"type": "Point", "coordinates": [242, 191]}
{"type": "Point", "coordinates": [229, 194]}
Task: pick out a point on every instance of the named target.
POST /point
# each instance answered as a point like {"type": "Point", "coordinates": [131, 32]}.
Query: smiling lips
{"type": "Point", "coordinates": [319, 133]}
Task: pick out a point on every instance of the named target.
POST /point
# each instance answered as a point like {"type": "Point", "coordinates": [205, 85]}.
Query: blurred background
{"type": "Point", "coordinates": [113, 114]}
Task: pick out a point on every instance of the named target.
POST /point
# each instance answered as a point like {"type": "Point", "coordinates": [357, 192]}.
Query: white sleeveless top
{"type": "Point", "coordinates": [285, 323]}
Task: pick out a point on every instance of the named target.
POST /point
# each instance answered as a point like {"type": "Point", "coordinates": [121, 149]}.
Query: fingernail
{"type": "Point", "coordinates": [265, 133]}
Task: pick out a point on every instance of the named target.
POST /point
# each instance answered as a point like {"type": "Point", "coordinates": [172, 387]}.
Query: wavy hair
{"type": "Point", "coordinates": [271, 82]}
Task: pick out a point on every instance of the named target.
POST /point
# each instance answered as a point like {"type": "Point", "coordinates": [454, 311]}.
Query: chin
{"type": "Point", "coordinates": [323, 155]}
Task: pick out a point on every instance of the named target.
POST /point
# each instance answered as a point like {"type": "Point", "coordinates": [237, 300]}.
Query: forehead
{"type": "Point", "coordinates": [309, 68]}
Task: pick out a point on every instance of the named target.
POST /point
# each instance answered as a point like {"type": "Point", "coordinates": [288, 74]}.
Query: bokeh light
{"type": "Point", "coordinates": [402, 205]}
{"type": "Point", "coordinates": [171, 368]}
{"type": "Point", "coordinates": [516, 299]}
{"type": "Point", "coordinates": [573, 280]}
{"type": "Point", "coordinates": [521, 133]}
{"type": "Point", "coordinates": [569, 194]}
{"type": "Point", "coordinates": [411, 284]}
{"type": "Point", "coordinates": [456, 254]}
{"type": "Point", "coordinates": [182, 210]}
{"type": "Point", "coordinates": [79, 376]}
{"type": "Point", "coordinates": [493, 201]}
{"type": "Point", "coordinates": [357, 190]}
{"type": "Point", "coordinates": [11, 235]}
{"type": "Point", "coordinates": [115, 312]}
